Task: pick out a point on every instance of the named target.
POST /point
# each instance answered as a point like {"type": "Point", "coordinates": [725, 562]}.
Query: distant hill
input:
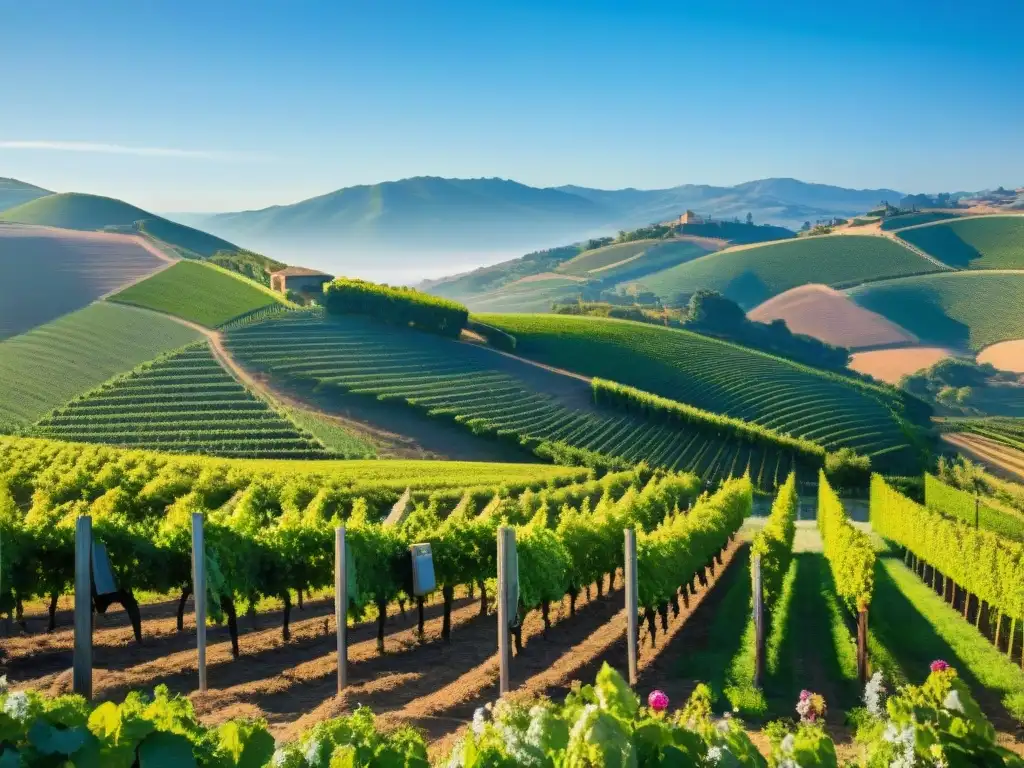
{"type": "Point", "coordinates": [14, 192]}
{"type": "Point", "coordinates": [425, 211]}
{"type": "Point", "coordinates": [94, 213]}
{"type": "Point", "coordinates": [402, 222]}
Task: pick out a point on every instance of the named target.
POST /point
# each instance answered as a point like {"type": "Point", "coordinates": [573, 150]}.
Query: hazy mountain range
{"type": "Point", "coordinates": [389, 228]}
{"type": "Point", "coordinates": [428, 227]}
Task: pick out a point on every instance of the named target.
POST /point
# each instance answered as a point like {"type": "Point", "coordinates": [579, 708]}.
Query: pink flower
{"type": "Point", "coordinates": [939, 666]}
{"type": "Point", "coordinates": [805, 694]}
{"type": "Point", "coordinates": [658, 701]}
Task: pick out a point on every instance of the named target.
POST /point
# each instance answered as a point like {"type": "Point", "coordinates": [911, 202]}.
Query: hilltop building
{"type": "Point", "coordinates": [689, 217]}
{"type": "Point", "coordinates": [299, 280]}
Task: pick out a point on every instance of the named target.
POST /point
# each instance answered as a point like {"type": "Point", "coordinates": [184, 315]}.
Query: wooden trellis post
{"type": "Point", "coordinates": [632, 604]}
{"type": "Point", "coordinates": [82, 672]}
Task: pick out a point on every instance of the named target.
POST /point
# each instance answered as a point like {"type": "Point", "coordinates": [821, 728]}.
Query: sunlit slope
{"type": "Point", "coordinates": [484, 392]}
{"type": "Point", "coordinates": [963, 310]}
{"type": "Point", "coordinates": [44, 368]}
{"type": "Point", "coordinates": [199, 293]}
{"type": "Point", "coordinates": [752, 275]}
{"type": "Point", "coordinates": [977, 242]}
{"type": "Point", "coordinates": [719, 377]}
{"type": "Point", "coordinates": [74, 210]}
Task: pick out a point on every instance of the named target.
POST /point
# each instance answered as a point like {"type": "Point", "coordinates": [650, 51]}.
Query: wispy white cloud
{"type": "Point", "coordinates": [123, 149]}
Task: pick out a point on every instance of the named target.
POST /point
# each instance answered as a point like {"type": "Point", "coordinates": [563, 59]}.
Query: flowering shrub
{"type": "Point", "coordinates": [811, 707]}
{"type": "Point", "coordinates": [935, 724]}
{"type": "Point", "coordinates": [604, 725]}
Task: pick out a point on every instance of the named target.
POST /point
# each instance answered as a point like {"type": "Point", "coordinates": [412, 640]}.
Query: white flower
{"type": "Point", "coordinates": [16, 706]}
{"type": "Point", "coordinates": [313, 752]}
{"type": "Point", "coordinates": [279, 758]}
{"type": "Point", "coordinates": [788, 744]}
{"type": "Point", "coordinates": [952, 701]}
{"type": "Point", "coordinates": [455, 761]}
{"type": "Point", "coordinates": [479, 721]}
{"type": "Point", "coordinates": [538, 724]}
{"type": "Point", "coordinates": [904, 739]}
{"type": "Point", "coordinates": [714, 755]}
{"type": "Point", "coordinates": [874, 693]}
{"type": "Point", "coordinates": [3, 684]}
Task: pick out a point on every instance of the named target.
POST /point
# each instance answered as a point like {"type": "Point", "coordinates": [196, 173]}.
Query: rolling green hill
{"type": "Point", "coordinates": [963, 310]}
{"type": "Point", "coordinates": [199, 293]}
{"type": "Point", "coordinates": [600, 258]}
{"type": "Point", "coordinates": [720, 377]}
{"type": "Point", "coordinates": [485, 392]}
{"type": "Point", "coordinates": [184, 403]}
{"type": "Point", "coordinates": [14, 193]}
{"type": "Point", "coordinates": [976, 242]}
{"type": "Point", "coordinates": [535, 294]}
{"type": "Point", "coordinates": [914, 219]}
{"type": "Point", "coordinates": [752, 275]}
{"type": "Point", "coordinates": [92, 212]}
{"type": "Point", "coordinates": [44, 368]}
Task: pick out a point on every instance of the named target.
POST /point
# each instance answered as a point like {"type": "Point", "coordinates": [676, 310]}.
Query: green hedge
{"type": "Point", "coordinates": [774, 543]}
{"type": "Point", "coordinates": [398, 306]}
{"type": "Point", "coordinates": [954, 502]}
{"type": "Point", "coordinates": [849, 552]}
{"type": "Point", "coordinates": [663, 409]}
{"type": "Point", "coordinates": [981, 562]}
{"type": "Point", "coordinates": [496, 337]}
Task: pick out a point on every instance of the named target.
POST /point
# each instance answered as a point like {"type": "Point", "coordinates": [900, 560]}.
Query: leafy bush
{"type": "Point", "coordinates": [398, 306]}
{"type": "Point", "coordinates": [847, 470]}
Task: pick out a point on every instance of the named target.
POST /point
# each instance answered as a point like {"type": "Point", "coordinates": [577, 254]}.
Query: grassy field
{"type": "Point", "coordinates": [913, 219]}
{"type": "Point", "coordinates": [45, 274]}
{"type": "Point", "coordinates": [199, 293]}
{"type": "Point", "coordinates": [916, 627]}
{"type": "Point", "coordinates": [185, 403]}
{"type": "Point", "coordinates": [533, 295]}
{"type": "Point", "coordinates": [752, 275]}
{"type": "Point", "coordinates": [483, 391]}
{"type": "Point", "coordinates": [334, 437]}
{"type": "Point", "coordinates": [600, 258]}
{"type": "Point", "coordinates": [952, 502]}
{"type": "Point", "coordinates": [46, 367]}
{"type": "Point", "coordinates": [92, 212]}
{"type": "Point", "coordinates": [976, 242]}
{"type": "Point", "coordinates": [718, 377]}
{"type": "Point", "coordinates": [963, 310]}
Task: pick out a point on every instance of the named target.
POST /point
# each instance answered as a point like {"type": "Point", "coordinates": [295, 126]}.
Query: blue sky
{"type": "Point", "coordinates": [190, 106]}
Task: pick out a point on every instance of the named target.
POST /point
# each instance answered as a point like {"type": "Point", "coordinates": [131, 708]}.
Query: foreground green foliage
{"type": "Point", "coordinates": [963, 310]}
{"type": "Point", "coordinates": [199, 293]}
{"type": "Point", "coordinates": [974, 242]}
{"type": "Point", "coordinates": [603, 724]}
{"type": "Point", "coordinates": [46, 367]}
{"type": "Point", "coordinates": [848, 549]}
{"type": "Point", "coordinates": [398, 306]}
{"type": "Point", "coordinates": [185, 402]}
{"type": "Point", "coordinates": [727, 379]}
{"type": "Point", "coordinates": [269, 524]}
{"type": "Point", "coordinates": [753, 275]}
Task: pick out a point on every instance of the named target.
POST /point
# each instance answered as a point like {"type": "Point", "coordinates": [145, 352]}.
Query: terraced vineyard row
{"type": "Point", "coordinates": [184, 402]}
{"type": "Point", "coordinates": [473, 387]}
{"type": "Point", "coordinates": [722, 378]}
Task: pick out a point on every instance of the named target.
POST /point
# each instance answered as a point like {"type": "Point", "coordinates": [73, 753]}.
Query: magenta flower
{"type": "Point", "coordinates": [658, 701]}
{"type": "Point", "coordinates": [939, 666]}
{"type": "Point", "coordinates": [805, 694]}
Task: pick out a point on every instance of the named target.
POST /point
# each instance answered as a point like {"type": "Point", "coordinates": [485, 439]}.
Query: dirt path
{"type": "Point", "coordinates": [1002, 460]}
{"type": "Point", "coordinates": [548, 668]}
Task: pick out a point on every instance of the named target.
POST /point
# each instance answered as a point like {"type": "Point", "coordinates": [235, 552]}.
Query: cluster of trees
{"type": "Point", "coordinates": [653, 232]}
{"type": "Point", "coordinates": [916, 202]}
{"type": "Point", "coordinates": [253, 265]}
{"type": "Point", "coordinates": [952, 382]}
{"type": "Point", "coordinates": [398, 306]}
